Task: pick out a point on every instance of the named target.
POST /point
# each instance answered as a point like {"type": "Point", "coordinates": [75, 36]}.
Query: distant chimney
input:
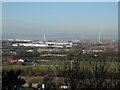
{"type": "Point", "coordinates": [44, 38]}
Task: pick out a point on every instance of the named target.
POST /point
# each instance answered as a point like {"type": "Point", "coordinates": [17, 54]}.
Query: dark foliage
{"type": "Point", "coordinates": [11, 80]}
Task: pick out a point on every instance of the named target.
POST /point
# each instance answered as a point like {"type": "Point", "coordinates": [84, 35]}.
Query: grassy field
{"type": "Point", "coordinates": [52, 64]}
{"type": "Point", "coordinates": [40, 70]}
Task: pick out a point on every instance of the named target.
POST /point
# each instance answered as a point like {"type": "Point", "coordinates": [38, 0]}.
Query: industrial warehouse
{"type": "Point", "coordinates": [44, 43]}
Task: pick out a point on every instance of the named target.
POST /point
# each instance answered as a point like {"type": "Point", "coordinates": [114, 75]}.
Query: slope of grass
{"type": "Point", "coordinates": [52, 64]}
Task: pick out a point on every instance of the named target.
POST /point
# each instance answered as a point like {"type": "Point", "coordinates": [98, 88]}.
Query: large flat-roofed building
{"type": "Point", "coordinates": [46, 44]}
{"type": "Point", "coordinates": [29, 44]}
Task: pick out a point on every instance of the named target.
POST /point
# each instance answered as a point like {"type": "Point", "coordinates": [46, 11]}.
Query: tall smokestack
{"type": "Point", "coordinates": [44, 37]}
{"type": "Point", "coordinates": [99, 37]}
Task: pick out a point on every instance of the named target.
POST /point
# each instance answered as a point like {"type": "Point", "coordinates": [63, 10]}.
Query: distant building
{"type": "Point", "coordinates": [97, 50]}
{"type": "Point", "coordinates": [46, 44]}
{"type": "Point", "coordinates": [23, 40]}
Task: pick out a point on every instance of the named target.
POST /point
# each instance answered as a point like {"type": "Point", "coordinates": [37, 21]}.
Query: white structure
{"type": "Point", "coordinates": [47, 44]}
{"type": "Point", "coordinates": [21, 60]}
{"type": "Point", "coordinates": [30, 45]}
{"type": "Point", "coordinates": [44, 44]}
{"type": "Point", "coordinates": [23, 40]}
{"type": "Point", "coordinates": [44, 37]}
{"type": "Point", "coordinates": [99, 37]}
{"type": "Point", "coordinates": [43, 86]}
{"type": "Point", "coordinates": [64, 87]}
{"type": "Point", "coordinates": [29, 50]}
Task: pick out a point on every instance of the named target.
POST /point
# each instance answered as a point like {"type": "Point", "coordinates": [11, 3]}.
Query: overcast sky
{"type": "Point", "coordinates": [53, 18]}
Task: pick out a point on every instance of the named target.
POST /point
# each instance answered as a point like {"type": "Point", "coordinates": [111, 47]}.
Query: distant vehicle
{"type": "Point", "coordinates": [24, 60]}
{"type": "Point", "coordinates": [21, 60]}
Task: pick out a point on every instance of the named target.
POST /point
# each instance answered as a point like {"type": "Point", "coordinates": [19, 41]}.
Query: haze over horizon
{"type": "Point", "coordinates": [77, 20]}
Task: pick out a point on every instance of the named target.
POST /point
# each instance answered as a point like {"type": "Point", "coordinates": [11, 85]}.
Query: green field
{"type": "Point", "coordinates": [52, 64]}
